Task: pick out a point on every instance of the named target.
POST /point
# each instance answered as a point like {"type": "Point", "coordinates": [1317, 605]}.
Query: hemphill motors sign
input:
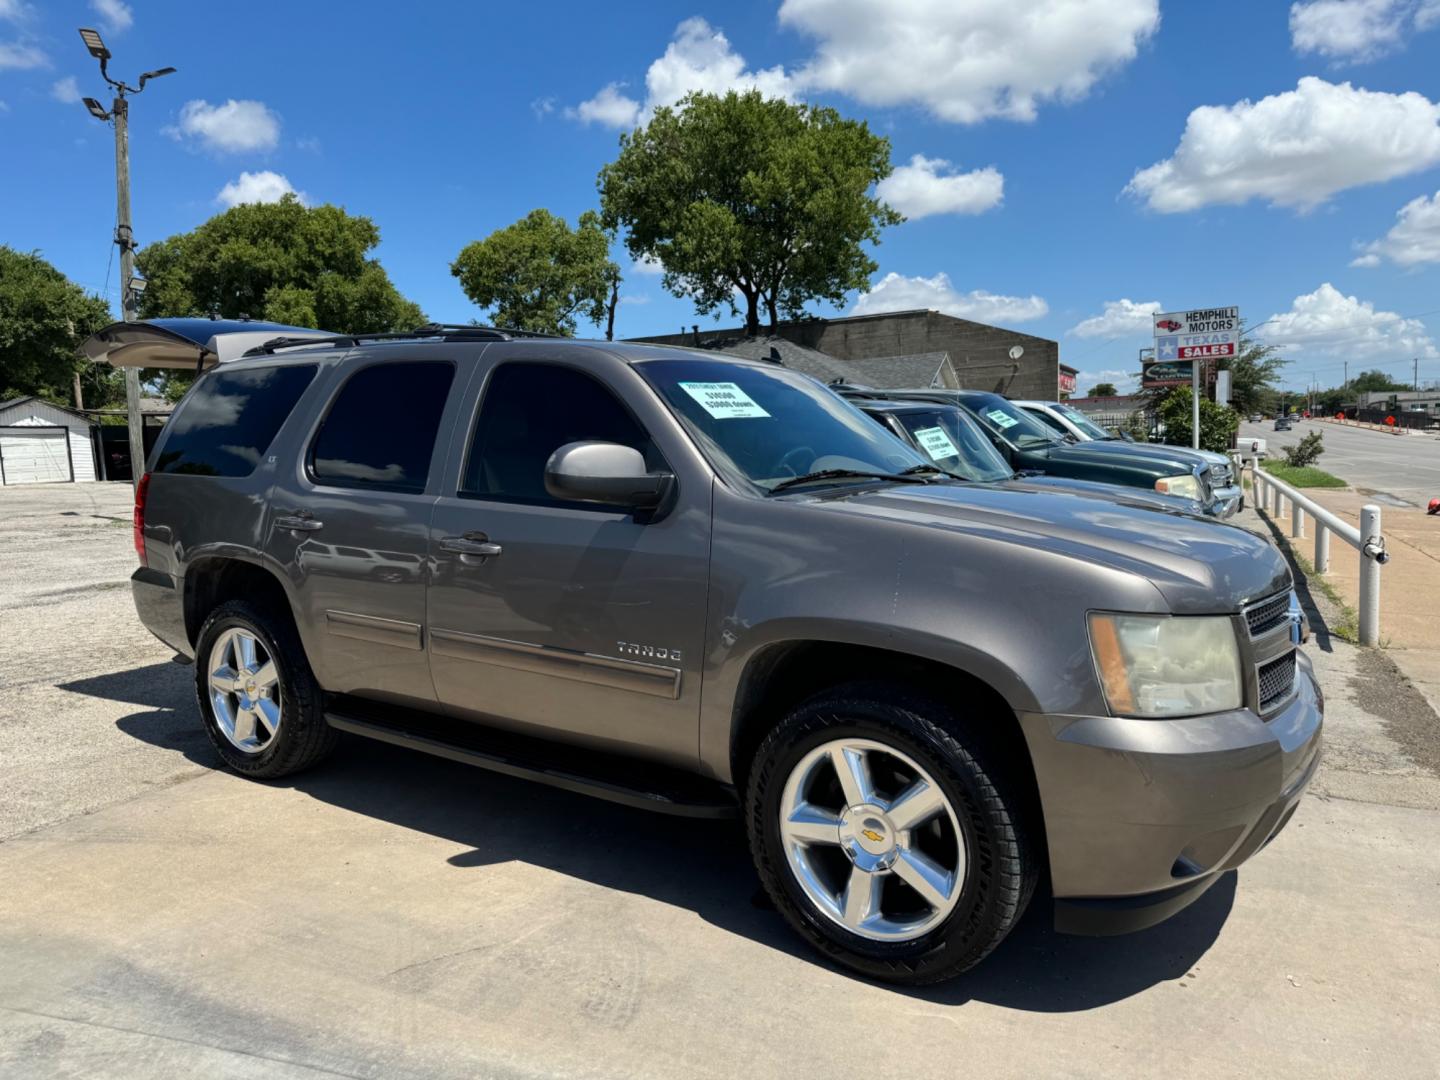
{"type": "Point", "coordinates": [1202, 334]}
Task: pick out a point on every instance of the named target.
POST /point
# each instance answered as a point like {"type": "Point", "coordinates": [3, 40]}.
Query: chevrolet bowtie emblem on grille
{"type": "Point", "coordinates": [871, 835]}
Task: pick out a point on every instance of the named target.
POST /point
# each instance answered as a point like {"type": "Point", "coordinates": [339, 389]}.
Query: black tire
{"type": "Point", "coordinates": [1002, 863]}
{"type": "Point", "coordinates": [303, 738]}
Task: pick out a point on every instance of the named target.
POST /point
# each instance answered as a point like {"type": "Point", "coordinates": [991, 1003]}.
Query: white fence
{"type": "Point", "coordinates": [1271, 495]}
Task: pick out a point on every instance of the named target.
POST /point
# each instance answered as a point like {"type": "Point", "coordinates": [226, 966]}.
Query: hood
{"type": "Point", "coordinates": [1174, 459]}
{"type": "Point", "coordinates": [1130, 496]}
{"type": "Point", "coordinates": [184, 343]}
{"type": "Point", "coordinates": [1200, 566]}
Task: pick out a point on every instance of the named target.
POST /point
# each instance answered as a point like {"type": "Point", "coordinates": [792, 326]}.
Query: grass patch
{"type": "Point", "coordinates": [1306, 476]}
{"type": "Point", "coordinates": [1347, 624]}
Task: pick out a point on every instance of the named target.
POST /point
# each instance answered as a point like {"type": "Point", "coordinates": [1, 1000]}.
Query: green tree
{"type": "Point", "coordinates": [1218, 424]}
{"type": "Point", "coordinates": [1375, 382]}
{"type": "Point", "coordinates": [1104, 389]}
{"type": "Point", "coordinates": [748, 196]}
{"type": "Point", "coordinates": [539, 274]}
{"type": "Point", "coordinates": [44, 317]}
{"type": "Point", "coordinates": [306, 266]}
{"type": "Point", "coordinates": [1252, 375]}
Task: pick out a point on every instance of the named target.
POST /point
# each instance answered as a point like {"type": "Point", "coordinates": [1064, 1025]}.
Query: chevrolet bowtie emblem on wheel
{"type": "Point", "coordinates": [871, 835]}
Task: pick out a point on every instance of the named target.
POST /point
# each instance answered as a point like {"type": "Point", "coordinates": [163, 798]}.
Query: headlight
{"type": "Point", "coordinates": [1166, 665]}
{"type": "Point", "coordinates": [1187, 486]}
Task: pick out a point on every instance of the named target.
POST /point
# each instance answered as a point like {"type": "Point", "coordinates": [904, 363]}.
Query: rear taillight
{"type": "Point", "coordinates": [142, 489]}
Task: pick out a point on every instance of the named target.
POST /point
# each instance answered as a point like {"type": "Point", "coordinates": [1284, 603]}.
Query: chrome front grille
{"type": "Point", "coordinates": [1265, 616]}
{"type": "Point", "coordinates": [1277, 681]}
{"type": "Point", "coordinates": [1220, 476]}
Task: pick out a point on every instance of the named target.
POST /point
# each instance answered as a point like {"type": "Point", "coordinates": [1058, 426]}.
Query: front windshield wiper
{"type": "Point", "coordinates": [906, 477]}
{"type": "Point", "coordinates": [917, 469]}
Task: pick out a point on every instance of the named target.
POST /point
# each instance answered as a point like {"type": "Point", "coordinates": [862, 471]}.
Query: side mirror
{"type": "Point", "coordinates": [602, 472]}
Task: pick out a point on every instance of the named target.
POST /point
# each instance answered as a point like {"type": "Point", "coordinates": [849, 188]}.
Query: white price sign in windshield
{"type": "Point", "coordinates": [936, 443]}
{"type": "Point", "coordinates": [1002, 419]}
{"type": "Point", "coordinates": [723, 400]}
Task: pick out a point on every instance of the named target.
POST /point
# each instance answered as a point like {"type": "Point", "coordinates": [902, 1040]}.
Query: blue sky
{"type": "Point", "coordinates": [1064, 163]}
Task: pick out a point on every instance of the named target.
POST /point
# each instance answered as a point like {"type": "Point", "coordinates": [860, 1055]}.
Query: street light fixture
{"type": "Point", "coordinates": [94, 43]}
{"type": "Point", "coordinates": [130, 288]}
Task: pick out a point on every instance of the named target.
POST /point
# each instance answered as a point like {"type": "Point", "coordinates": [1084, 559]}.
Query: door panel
{"type": "Point", "coordinates": [589, 623]}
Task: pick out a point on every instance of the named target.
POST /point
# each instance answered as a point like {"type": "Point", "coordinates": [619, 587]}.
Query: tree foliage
{"type": "Point", "coordinates": [539, 274]}
{"type": "Point", "coordinates": [748, 196]}
{"type": "Point", "coordinates": [305, 266]}
{"type": "Point", "coordinates": [1252, 375]}
{"type": "Point", "coordinates": [44, 317]}
{"type": "Point", "coordinates": [1375, 382]}
{"type": "Point", "coordinates": [1218, 423]}
{"type": "Point", "coordinates": [1104, 389]}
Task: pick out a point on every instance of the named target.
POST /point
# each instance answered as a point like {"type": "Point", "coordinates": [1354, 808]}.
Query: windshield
{"type": "Point", "coordinates": [769, 425]}
{"type": "Point", "coordinates": [1083, 423]}
{"type": "Point", "coordinates": [955, 442]}
{"type": "Point", "coordinates": [1010, 422]}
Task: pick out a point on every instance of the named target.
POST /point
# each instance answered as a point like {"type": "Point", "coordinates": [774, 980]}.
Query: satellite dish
{"type": "Point", "coordinates": [1017, 351]}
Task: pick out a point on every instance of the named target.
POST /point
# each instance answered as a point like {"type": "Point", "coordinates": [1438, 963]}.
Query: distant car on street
{"type": "Point", "coordinates": [1256, 418]}
{"type": "Point", "coordinates": [1282, 423]}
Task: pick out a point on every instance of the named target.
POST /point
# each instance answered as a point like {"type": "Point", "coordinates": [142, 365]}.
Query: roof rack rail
{"type": "Point", "coordinates": [442, 331]}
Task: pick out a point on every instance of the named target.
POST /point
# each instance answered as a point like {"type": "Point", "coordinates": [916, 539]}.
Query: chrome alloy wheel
{"type": "Point", "coordinates": [244, 690]}
{"type": "Point", "coordinates": [872, 840]}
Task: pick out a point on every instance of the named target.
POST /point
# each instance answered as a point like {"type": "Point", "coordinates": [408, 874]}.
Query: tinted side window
{"type": "Point", "coordinates": [229, 419]}
{"type": "Point", "coordinates": [531, 410]}
{"type": "Point", "coordinates": [380, 431]}
{"type": "Point", "coordinates": [1049, 421]}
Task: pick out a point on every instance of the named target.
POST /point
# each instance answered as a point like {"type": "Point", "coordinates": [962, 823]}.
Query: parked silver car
{"type": "Point", "coordinates": [710, 586]}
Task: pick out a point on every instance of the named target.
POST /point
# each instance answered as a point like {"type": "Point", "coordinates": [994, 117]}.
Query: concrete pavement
{"type": "Point", "coordinates": [393, 915]}
{"type": "Point", "coordinates": [1405, 466]}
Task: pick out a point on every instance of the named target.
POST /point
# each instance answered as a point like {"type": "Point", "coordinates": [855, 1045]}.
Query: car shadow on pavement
{"type": "Point", "coordinates": [703, 866]}
{"type": "Point", "coordinates": [167, 690]}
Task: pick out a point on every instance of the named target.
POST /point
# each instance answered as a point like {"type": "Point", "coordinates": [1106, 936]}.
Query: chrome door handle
{"type": "Point", "coordinates": [299, 523]}
{"type": "Point", "coordinates": [464, 545]}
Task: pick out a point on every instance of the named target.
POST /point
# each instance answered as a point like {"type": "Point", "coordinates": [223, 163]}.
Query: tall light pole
{"type": "Point", "coordinates": [119, 117]}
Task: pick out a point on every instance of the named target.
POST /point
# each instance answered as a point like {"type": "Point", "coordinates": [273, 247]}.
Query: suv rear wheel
{"type": "Point", "coordinates": [258, 697]}
{"type": "Point", "coordinates": [888, 836]}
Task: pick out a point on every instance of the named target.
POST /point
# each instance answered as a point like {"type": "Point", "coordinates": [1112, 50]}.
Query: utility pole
{"type": "Point", "coordinates": [1415, 379]}
{"type": "Point", "coordinates": [119, 118]}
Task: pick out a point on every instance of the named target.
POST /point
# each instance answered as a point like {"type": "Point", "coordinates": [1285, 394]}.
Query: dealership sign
{"type": "Point", "coordinates": [1166, 373]}
{"type": "Point", "coordinates": [1215, 320]}
{"type": "Point", "coordinates": [1199, 334]}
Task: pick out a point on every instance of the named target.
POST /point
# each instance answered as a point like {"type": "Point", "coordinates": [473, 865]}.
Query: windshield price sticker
{"type": "Point", "coordinates": [936, 443]}
{"type": "Point", "coordinates": [1002, 419]}
{"type": "Point", "coordinates": [723, 400]}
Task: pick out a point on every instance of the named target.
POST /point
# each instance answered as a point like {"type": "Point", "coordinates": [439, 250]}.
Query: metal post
{"type": "Point", "coordinates": [125, 238]}
{"type": "Point", "coordinates": [1322, 549]}
{"type": "Point", "coordinates": [1369, 576]}
{"type": "Point", "coordinates": [1297, 521]}
{"type": "Point", "coordinates": [1195, 404]}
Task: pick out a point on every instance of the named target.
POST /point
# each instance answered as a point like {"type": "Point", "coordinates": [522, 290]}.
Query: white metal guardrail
{"type": "Point", "coordinates": [1271, 494]}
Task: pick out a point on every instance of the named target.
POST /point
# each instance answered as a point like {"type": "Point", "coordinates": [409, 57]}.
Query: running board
{"type": "Point", "coordinates": [630, 783]}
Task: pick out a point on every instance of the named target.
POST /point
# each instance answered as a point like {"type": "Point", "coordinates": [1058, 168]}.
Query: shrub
{"type": "Point", "coordinates": [1306, 452]}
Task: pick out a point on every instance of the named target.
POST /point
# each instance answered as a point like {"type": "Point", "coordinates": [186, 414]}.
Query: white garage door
{"type": "Point", "coordinates": [37, 456]}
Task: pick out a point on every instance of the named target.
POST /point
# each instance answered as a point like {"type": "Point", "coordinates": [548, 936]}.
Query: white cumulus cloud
{"type": "Point", "coordinates": [17, 56]}
{"type": "Point", "coordinates": [930, 186]}
{"type": "Point", "coordinates": [1120, 318]}
{"type": "Point", "coordinates": [230, 127]}
{"type": "Point", "coordinates": [1295, 148]}
{"type": "Point", "coordinates": [1328, 321]}
{"type": "Point", "coordinates": [66, 90]}
{"type": "Point", "coordinates": [1356, 31]}
{"type": "Point", "coordinates": [1123, 380]}
{"type": "Point", "coordinates": [1413, 240]}
{"type": "Point", "coordinates": [115, 15]}
{"type": "Point", "coordinates": [967, 61]}
{"type": "Point", "coordinates": [699, 57]}
{"type": "Point", "coordinates": [258, 187]}
{"type": "Point", "coordinates": [896, 292]}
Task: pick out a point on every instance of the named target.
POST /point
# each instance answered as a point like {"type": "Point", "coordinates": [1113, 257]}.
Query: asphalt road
{"type": "Point", "coordinates": [394, 915]}
{"type": "Point", "coordinates": [1404, 466]}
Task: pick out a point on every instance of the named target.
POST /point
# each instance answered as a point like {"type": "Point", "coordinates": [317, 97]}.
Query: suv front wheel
{"type": "Point", "coordinates": [258, 697]}
{"type": "Point", "coordinates": [888, 835]}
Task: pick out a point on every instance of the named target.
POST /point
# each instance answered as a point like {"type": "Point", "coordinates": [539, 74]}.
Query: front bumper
{"type": "Point", "coordinates": [1142, 816]}
{"type": "Point", "coordinates": [1226, 502]}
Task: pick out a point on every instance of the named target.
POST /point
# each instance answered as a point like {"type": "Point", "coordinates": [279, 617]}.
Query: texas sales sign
{"type": "Point", "coordinates": [1201, 334]}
